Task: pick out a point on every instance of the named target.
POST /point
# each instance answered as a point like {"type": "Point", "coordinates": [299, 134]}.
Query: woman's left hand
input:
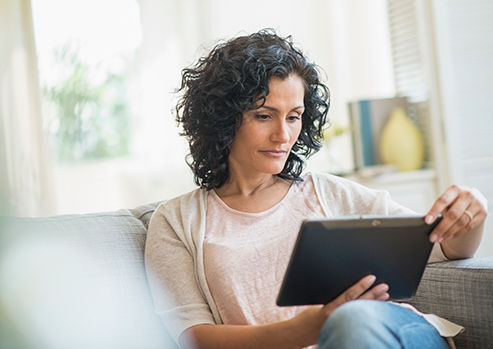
{"type": "Point", "coordinates": [462, 208]}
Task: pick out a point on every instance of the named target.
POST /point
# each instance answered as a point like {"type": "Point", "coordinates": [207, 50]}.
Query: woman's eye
{"type": "Point", "coordinates": [294, 117]}
{"type": "Point", "coordinates": [262, 116]}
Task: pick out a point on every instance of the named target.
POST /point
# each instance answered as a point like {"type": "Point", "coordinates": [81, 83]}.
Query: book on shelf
{"type": "Point", "coordinates": [368, 118]}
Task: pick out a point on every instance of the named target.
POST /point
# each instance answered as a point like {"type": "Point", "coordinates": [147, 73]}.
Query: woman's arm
{"type": "Point", "coordinates": [464, 211]}
{"type": "Point", "coordinates": [176, 294]}
{"type": "Point", "coordinates": [298, 332]}
{"type": "Point", "coordinates": [276, 335]}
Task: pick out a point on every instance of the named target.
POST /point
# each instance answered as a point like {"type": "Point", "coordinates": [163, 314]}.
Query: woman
{"type": "Point", "coordinates": [252, 110]}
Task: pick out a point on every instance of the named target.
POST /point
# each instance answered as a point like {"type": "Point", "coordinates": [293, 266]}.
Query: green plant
{"type": "Point", "coordinates": [86, 119]}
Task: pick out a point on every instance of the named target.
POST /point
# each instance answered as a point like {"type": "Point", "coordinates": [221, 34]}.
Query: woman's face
{"type": "Point", "coordinates": [266, 135]}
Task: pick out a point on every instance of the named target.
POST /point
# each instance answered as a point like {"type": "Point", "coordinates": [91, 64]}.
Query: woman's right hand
{"type": "Point", "coordinates": [306, 326]}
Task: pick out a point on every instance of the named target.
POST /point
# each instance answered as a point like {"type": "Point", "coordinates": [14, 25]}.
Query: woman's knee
{"type": "Point", "coordinates": [353, 320]}
{"type": "Point", "coordinates": [376, 324]}
{"type": "Point", "coordinates": [358, 312]}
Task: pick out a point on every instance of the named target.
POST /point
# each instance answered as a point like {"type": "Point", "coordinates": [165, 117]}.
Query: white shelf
{"type": "Point", "coordinates": [426, 174]}
{"type": "Point", "coordinates": [413, 189]}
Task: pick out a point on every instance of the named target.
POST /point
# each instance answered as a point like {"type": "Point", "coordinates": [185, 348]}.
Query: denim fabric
{"type": "Point", "coordinates": [376, 324]}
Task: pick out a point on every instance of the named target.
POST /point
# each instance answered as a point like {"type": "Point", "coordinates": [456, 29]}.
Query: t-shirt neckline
{"type": "Point", "coordinates": [252, 214]}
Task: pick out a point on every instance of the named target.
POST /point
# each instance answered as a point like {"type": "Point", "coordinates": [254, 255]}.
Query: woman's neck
{"type": "Point", "coordinates": [253, 194]}
{"type": "Point", "coordinates": [246, 186]}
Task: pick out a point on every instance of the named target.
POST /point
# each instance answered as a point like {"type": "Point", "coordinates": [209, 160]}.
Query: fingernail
{"type": "Point", "coordinates": [382, 288]}
{"type": "Point", "coordinates": [371, 279]}
{"type": "Point", "coordinates": [429, 219]}
{"type": "Point", "coordinates": [433, 237]}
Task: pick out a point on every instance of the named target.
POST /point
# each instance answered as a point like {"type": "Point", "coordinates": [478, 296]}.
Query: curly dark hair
{"type": "Point", "coordinates": [232, 79]}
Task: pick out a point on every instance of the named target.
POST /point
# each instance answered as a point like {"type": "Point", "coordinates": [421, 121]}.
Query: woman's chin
{"type": "Point", "coordinates": [274, 170]}
{"type": "Point", "coordinates": [270, 167]}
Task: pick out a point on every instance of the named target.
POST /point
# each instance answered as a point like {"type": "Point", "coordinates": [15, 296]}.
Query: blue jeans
{"type": "Point", "coordinates": [376, 324]}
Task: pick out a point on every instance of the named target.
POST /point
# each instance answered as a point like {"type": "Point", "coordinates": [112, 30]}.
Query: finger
{"type": "Point", "coordinates": [477, 220]}
{"type": "Point", "coordinates": [454, 231]}
{"type": "Point", "coordinates": [460, 227]}
{"type": "Point", "coordinates": [350, 294]}
{"type": "Point", "coordinates": [463, 223]}
{"type": "Point", "coordinates": [355, 291]}
{"type": "Point", "coordinates": [453, 216]}
{"type": "Point", "coordinates": [376, 292]}
{"type": "Point", "coordinates": [383, 297]}
{"type": "Point", "coordinates": [442, 203]}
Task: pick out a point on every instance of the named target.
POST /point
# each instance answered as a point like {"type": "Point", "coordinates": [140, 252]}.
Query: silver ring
{"type": "Point", "coordinates": [469, 214]}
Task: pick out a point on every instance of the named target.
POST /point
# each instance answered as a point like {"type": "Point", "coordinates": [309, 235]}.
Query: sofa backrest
{"type": "Point", "coordinates": [82, 277]}
{"type": "Point", "coordinates": [144, 212]}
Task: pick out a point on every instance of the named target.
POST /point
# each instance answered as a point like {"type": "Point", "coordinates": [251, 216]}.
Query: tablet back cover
{"type": "Point", "coordinates": [331, 255]}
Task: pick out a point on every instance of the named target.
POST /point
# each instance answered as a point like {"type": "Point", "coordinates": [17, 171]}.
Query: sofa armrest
{"type": "Point", "coordinates": [461, 291]}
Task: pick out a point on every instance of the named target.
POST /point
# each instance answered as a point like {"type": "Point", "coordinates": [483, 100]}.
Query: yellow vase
{"type": "Point", "coordinates": [401, 143]}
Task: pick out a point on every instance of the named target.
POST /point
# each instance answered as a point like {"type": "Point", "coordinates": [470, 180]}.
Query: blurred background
{"type": "Point", "coordinates": [87, 92]}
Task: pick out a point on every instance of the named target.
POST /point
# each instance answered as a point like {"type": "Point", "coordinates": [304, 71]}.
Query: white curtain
{"type": "Point", "coordinates": [25, 186]}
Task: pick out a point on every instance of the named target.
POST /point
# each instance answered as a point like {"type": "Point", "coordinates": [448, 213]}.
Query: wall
{"type": "Point", "coordinates": [348, 39]}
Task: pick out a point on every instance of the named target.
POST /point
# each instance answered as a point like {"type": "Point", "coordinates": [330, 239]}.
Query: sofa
{"type": "Point", "coordinates": [78, 281]}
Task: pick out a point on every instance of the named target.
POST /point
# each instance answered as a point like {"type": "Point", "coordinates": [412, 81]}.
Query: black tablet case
{"type": "Point", "coordinates": [331, 255]}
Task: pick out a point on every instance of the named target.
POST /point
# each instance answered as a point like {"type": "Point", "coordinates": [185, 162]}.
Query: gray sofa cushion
{"type": "Point", "coordinates": [461, 291]}
{"type": "Point", "coordinates": [144, 212]}
{"type": "Point", "coordinates": [100, 282]}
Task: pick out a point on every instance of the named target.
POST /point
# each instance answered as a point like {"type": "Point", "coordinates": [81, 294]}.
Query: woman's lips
{"type": "Point", "coordinates": [274, 153]}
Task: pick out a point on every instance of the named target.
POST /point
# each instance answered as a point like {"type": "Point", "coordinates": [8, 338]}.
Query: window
{"type": "Point", "coordinates": [84, 73]}
{"type": "Point", "coordinates": [106, 145]}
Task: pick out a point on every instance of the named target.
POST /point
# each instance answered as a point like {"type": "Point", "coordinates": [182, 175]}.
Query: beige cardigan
{"type": "Point", "coordinates": [174, 247]}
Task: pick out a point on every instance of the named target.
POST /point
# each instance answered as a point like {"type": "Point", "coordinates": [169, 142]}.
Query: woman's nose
{"type": "Point", "coordinates": [281, 132]}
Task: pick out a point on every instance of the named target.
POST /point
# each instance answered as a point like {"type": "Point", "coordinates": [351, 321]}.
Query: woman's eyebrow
{"type": "Point", "coordinates": [275, 109]}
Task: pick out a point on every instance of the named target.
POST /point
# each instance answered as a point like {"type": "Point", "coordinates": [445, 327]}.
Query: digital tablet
{"type": "Point", "coordinates": [330, 255]}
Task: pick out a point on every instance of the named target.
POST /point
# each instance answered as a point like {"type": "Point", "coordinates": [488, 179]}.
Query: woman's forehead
{"type": "Point", "coordinates": [291, 88]}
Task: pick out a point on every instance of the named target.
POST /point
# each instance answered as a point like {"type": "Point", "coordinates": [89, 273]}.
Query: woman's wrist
{"type": "Point", "coordinates": [303, 329]}
{"type": "Point", "coordinates": [291, 333]}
